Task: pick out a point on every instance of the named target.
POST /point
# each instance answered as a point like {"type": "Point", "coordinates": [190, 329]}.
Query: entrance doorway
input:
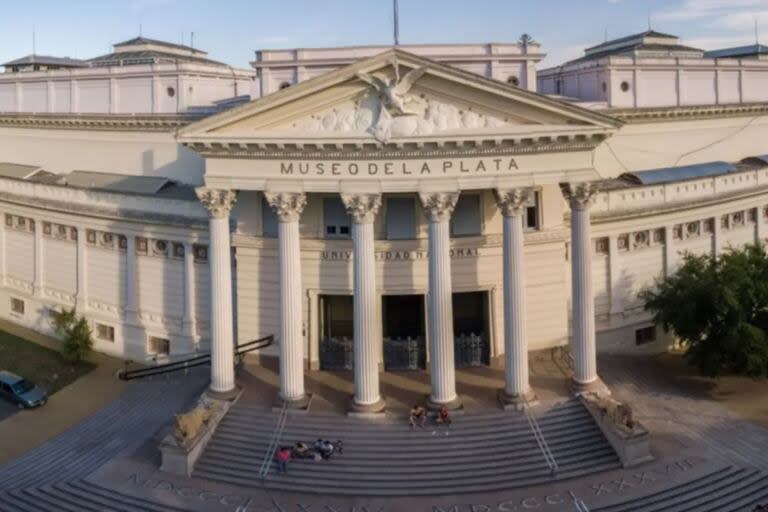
{"type": "Point", "coordinates": [471, 328]}
{"type": "Point", "coordinates": [404, 341]}
{"type": "Point", "coordinates": [336, 332]}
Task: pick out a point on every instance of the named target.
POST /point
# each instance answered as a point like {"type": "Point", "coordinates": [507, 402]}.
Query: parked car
{"type": "Point", "coordinates": [20, 391]}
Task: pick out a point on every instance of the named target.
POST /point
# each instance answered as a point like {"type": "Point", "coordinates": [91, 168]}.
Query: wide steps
{"type": "Point", "coordinates": [725, 490]}
{"type": "Point", "coordinates": [478, 453]}
{"type": "Point", "coordinates": [77, 496]}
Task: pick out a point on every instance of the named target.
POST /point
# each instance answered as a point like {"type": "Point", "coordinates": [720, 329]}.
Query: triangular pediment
{"type": "Point", "coordinates": [395, 96]}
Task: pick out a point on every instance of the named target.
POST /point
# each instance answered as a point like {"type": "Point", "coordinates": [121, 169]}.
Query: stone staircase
{"type": "Point", "coordinates": [728, 489]}
{"type": "Point", "coordinates": [76, 496]}
{"type": "Point", "coordinates": [479, 453]}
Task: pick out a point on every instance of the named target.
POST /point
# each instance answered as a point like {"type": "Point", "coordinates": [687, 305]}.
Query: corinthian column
{"type": "Point", "coordinates": [219, 204]}
{"type": "Point", "coordinates": [363, 208]}
{"type": "Point", "coordinates": [517, 392]}
{"type": "Point", "coordinates": [580, 196]}
{"type": "Point", "coordinates": [438, 208]}
{"type": "Point", "coordinates": [288, 207]}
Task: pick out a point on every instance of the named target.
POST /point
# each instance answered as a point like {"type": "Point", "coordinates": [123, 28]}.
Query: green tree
{"type": "Point", "coordinates": [76, 334]}
{"type": "Point", "coordinates": [718, 309]}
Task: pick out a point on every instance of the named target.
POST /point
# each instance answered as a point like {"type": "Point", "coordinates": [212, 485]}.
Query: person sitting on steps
{"type": "Point", "coordinates": [443, 417]}
{"type": "Point", "coordinates": [418, 416]}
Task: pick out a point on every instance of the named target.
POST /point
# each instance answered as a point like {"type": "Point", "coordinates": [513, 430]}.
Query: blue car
{"type": "Point", "coordinates": [22, 392]}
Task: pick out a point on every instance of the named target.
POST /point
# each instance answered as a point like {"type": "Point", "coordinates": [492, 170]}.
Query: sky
{"type": "Point", "coordinates": [230, 30]}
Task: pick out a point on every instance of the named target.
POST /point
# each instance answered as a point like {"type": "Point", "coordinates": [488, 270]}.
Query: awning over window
{"type": "Point", "coordinates": [686, 172]}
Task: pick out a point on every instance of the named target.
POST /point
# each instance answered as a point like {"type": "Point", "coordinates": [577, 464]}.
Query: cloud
{"type": "Point", "coordinates": [721, 10]}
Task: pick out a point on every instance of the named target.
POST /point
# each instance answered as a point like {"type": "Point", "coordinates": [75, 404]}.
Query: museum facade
{"type": "Point", "coordinates": [395, 213]}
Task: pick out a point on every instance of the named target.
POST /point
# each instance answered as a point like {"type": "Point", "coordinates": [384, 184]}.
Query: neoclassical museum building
{"type": "Point", "coordinates": [374, 208]}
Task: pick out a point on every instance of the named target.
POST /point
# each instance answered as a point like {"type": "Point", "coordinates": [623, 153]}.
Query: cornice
{"type": "Point", "coordinates": [102, 122]}
{"type": "Point", "coordinates": [354, 149]}
{"type": "Point", "coordinates": [677, 206]}
{"type": "Point", "coordinates": [661, 114]}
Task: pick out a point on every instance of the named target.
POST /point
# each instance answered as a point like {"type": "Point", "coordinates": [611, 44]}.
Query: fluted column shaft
{"type": "Point", "coordinates": [288, 207]}
{"type": "Point", "coordinates": [512, 204]}
{"type": "Point", "coordinates": [438, 208]}
{"type": "Point", "coordinates": [363, 208]}
{"type": "Point", "coordinates": [219, 204]}
{"type": "Point", "coordinates": [584, 344]}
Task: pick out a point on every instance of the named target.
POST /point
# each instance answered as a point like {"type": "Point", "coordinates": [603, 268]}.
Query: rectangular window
{"type": "Point", "coordinates": [17, 306]}
{"type": "Point", "coordinates": [268, 220]}
{"type": "Point", "coordinates": [466, 219]}
{"type": "Point", "coordinates": [531, 220]}
{"type": "Point", "coordinates": [400, 218]}
{"type": "Point", "coordinates": [159, 346]}
{"type": "Point", "coordinates": [645, 335]}
{"type": "Point", "coordinates": [105, 332]}
{"type": "Point", "coordinates": [335, 218]}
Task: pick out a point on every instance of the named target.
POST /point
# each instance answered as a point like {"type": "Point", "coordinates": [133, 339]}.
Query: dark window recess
{"type": "Point", "coordinates": [645, 335]}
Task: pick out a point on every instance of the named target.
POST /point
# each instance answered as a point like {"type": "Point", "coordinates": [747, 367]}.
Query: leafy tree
{"type": "Point", "coordinates": [76, 334]}
{"type": "Point", "coordinates": [718, 308]}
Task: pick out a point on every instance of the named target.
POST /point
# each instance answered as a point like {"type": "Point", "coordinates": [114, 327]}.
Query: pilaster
{"type": "Point", "coordinates": [82, 270]}
{"type": "Point", "coordinates": [39, 283]}
{"type": "Point", "coordinates": [189, 323]}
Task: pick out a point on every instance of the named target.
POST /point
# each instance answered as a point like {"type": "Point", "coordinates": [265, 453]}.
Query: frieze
{"type": "Point", "coordinates": [346, 255]}
{"type": "Point", "coordinates": [446, 167]}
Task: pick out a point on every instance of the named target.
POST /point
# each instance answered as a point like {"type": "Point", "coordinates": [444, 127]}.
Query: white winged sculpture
{"type": "Point", "coordinates": [392, 96]}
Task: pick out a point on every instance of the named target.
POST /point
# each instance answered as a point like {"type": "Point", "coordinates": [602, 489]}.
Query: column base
{"type": "Point", "coordinates": [597, 386]}
{"type": "Point", "coordinates": [455, 405]}
{"type": "Point", "coordinates": [229, 396]}
{"type": "Point", "coordinates": [517, 402]}
{"type": "Point", "coordinates": [375, 410]}
{"type": "Point", "coordinates": [295, 406]}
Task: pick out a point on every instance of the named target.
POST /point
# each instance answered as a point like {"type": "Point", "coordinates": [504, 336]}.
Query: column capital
{"type": "Point", "coordinates": [287, 205]}
{"type": "Point", "coordinates": [513, 201]}
{"type": "Point", "coordinates": [438, 206]}
{"type": "Point", "coordinates": [218, 202]}
{"type": "Point", "coordinates": [362, 207]}
{"type": "Point", "coordinates": [579, 195]}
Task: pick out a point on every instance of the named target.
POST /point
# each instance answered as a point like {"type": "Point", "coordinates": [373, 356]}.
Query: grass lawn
{"type": "Point", "coordinates": [43, 366]}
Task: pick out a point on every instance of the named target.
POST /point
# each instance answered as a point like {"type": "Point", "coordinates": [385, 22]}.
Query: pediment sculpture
{"type": "Point", "coordinates": [393, 97]}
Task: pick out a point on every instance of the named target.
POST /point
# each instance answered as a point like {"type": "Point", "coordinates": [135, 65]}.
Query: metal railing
{"type": "Point", "coordinates": [192, 362]}
{"type": "Point", "coordinates": [540, 440]}
{"type": "Point", "coordinates": [580, 505]}
{"type": "Point", "coordinates": [274, 441]}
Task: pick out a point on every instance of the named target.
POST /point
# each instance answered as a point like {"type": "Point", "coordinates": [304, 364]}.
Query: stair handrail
{"type": "Point", "coordinates": [578, 503]}
{"type": "Point", "coordinates": [274, 441]}
{"type": "Point", "coordinates": [192, 362]}
{"type": "Point", "coordinates": [540, 440]}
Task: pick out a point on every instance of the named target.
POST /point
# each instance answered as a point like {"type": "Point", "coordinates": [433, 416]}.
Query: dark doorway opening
{"type": "Point", "coordinates": [336, 332]}
{"type": "Point", "coordinates": [470, 329]}
{"type": "Point", "coordinates": [404, 342]}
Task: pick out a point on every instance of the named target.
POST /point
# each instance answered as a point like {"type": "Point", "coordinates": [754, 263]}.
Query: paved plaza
{"type": "Point", "coordinates": [110, 462]}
